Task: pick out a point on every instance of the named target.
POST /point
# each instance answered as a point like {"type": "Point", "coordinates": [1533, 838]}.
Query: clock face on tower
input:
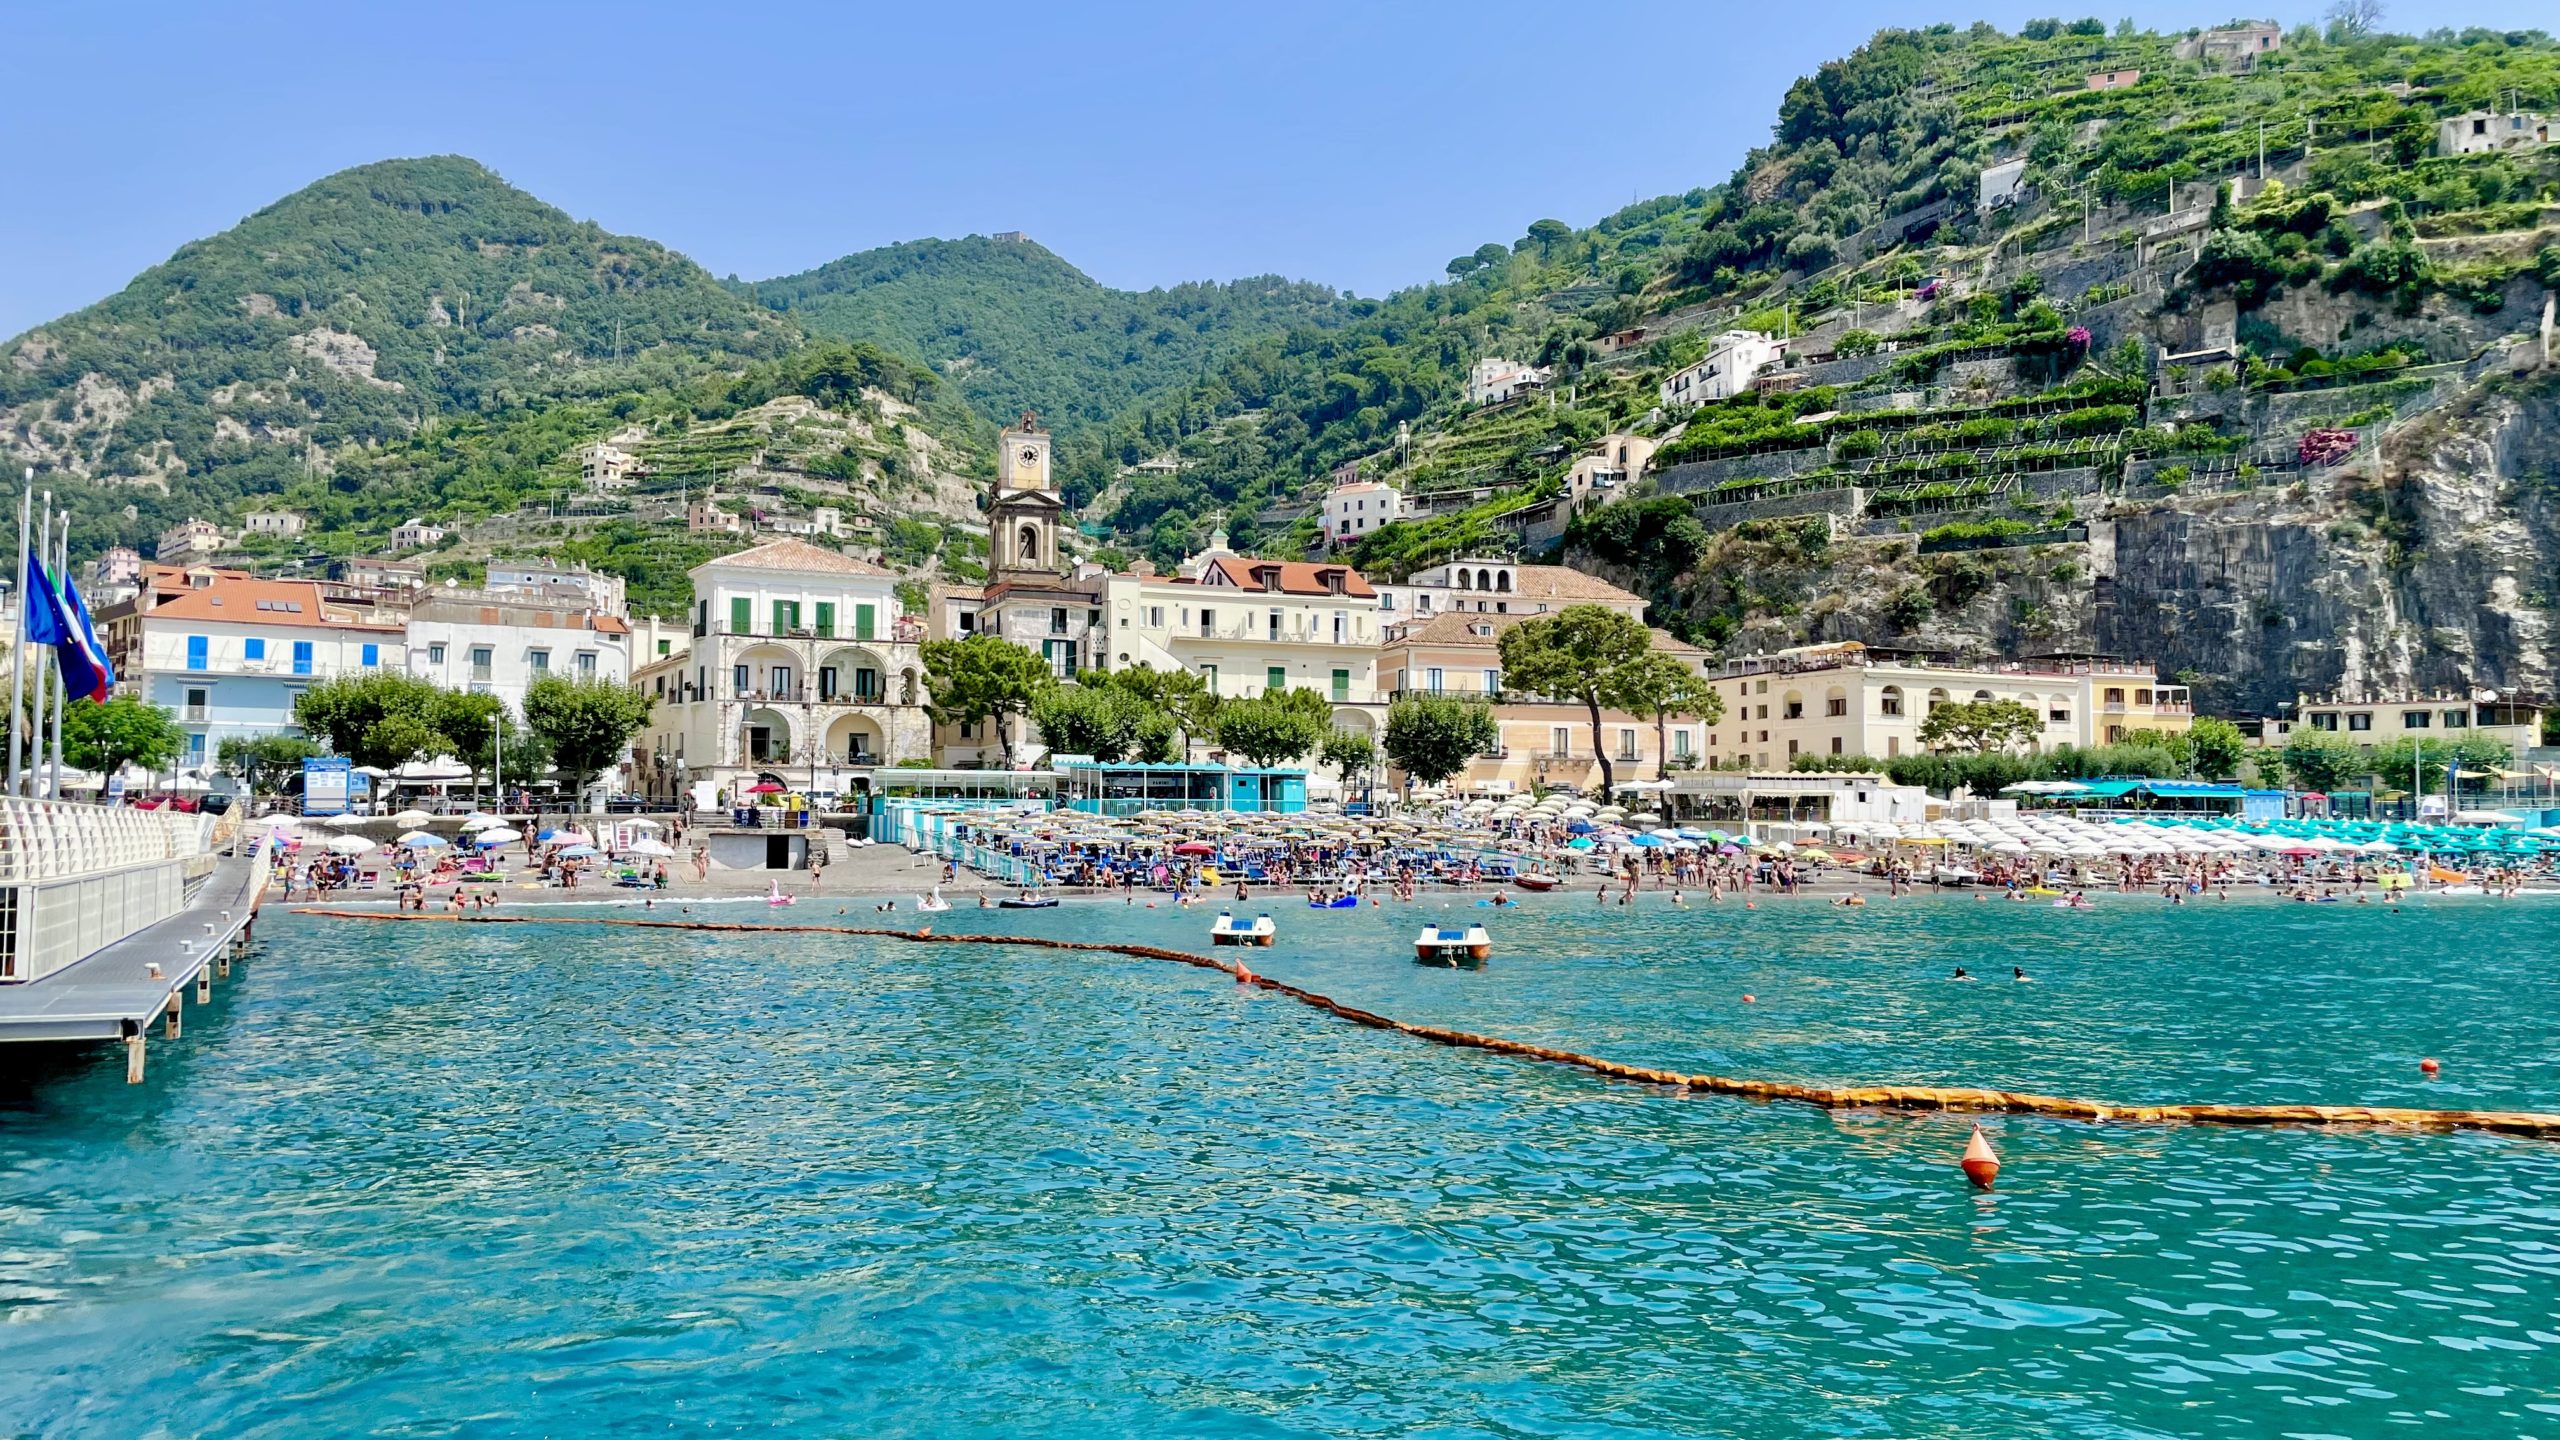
{"type": "Point", "coordinates": [1030, 456]}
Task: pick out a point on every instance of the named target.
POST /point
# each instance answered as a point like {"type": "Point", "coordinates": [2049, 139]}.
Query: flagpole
{"type": "Point", "coordinates": [35, 682]}
{"type": "Point", "coordinates": [61, 690]}
{"type": "Point", "coordinates": [18, 647]}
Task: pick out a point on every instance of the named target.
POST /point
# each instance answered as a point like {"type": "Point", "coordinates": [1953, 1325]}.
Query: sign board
{"type": "Point", "coordinates": [115, 789]}
{"type": "Point", "coordinates": [324, 785]}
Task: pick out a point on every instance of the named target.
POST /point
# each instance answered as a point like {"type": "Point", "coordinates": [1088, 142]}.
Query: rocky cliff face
{"type": "Point", "coordinates": [2432, 563]}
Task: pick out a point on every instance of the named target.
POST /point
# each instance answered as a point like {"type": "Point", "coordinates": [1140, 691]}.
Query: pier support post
{"type": "Point", "coordinates": [176, 1002]}
{"type": "Point", "coordinates": [223, 965]}
{"type": "Point", "coordinates": [204, 986]}
{"type": "Point", "coordinates": [133, 1057]}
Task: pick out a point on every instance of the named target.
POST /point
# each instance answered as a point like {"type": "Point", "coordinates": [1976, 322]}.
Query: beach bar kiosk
{"type": "Point", "coordinates": [1125, 789]}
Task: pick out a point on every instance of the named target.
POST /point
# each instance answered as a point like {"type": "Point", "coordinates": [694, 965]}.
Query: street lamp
{"type": "Point", "coordinates": [498, 763]}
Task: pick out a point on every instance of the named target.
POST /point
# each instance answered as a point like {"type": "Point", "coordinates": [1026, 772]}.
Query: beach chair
{"type": "Point", "coordinates": [369, 880]}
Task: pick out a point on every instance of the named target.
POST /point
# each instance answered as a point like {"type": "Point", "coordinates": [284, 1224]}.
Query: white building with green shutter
{"type": "Point", "coordinates": [799, 668]}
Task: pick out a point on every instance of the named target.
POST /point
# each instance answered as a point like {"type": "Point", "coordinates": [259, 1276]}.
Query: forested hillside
{"type": "Point", "coordinates": [348, 315]}
{"type": "Point", "coordinates": [1017, 328]}
{"type": "Point", "coordinates": [1869, 183]}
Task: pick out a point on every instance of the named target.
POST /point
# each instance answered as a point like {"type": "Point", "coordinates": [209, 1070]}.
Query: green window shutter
{"type": "Point", "coordinates": [862, 621]}
{"type": "Point", "coordinates": [786, 616]}
{"type": "Point", "coordinates": [827, 618]}
{"type": "Point", "coordinates": [742, 615]}
{"type": "Point", "coordinates": [1342, 685]}
{"type": "Point", "coordinates": [1276, 679]}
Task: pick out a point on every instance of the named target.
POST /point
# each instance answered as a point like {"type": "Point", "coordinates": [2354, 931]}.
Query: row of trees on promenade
{"type": "Point", "coordinates": [1585, 654]}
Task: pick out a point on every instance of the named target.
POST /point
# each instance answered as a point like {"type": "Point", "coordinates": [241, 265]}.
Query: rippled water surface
{"type": "Point", "coordinates": [436, 1180]}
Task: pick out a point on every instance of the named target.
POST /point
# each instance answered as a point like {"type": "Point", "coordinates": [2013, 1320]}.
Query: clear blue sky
{"type": "Point", "coordinates": [1357, 144]}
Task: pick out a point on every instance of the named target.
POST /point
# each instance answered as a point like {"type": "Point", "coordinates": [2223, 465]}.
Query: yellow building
{"type": "Point", "coordinates": [1543, 742]}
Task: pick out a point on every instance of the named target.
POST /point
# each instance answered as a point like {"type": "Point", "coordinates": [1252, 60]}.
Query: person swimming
{"type": "Point", "coordinates": [2019, 974]}
{"type": "Point", "coordinates": [1960, 974]}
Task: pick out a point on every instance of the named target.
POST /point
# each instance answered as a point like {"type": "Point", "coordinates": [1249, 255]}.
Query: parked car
{"type": "Point", "coordinates": [626, 804]}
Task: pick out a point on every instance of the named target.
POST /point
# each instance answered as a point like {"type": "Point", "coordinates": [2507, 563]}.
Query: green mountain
{"type": "Point", "coordinates": [1870, 181]}
{"type": "Point", "coordinates": [1017, 328]}
{"type": "Point", "coordinates": [352, 314]}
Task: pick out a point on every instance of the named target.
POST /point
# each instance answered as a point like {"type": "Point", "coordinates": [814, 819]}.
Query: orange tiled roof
{"type": "Point", "coordinates": [1297, 577]}
{"type": "Point", "coordinates": [245, 601]}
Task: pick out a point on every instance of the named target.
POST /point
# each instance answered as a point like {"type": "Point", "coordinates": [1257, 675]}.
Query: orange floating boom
{"type": "Point", "coordinates": [2533, 1123]}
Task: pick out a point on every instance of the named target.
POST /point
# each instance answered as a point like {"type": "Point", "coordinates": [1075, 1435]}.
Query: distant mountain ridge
{"type": "Point", "coordinates": [1018, 328]}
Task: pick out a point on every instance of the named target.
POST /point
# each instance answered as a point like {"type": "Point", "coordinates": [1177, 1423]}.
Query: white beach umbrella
{"type": "Point", "coordinates": [350, 844]}
{"type": "Point", "coordinates": [499, 835]}
{"type": "Point", "coordinates": [412, 819]}
{"type": "Point", "coordinates": [647, 847]}
{"type": "Point", "coordinates": [637, 823]}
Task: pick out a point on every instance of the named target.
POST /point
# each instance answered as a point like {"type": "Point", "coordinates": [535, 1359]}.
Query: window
{"type": "Point", "coordinates": [2060, 714]}
{"type": "Point", "coordinates": [1208, 622]}
{"type": "Point", "coordinates": [1057, 619]}
{"type": "Point", "coordinates": [866, 683]}
{"type": "Point", "coordinates": [1274, 631]}
{"type": "Point", "coordinates": [742, 678]}
{"type": "Point", "coordinates": [540, 660]}
{"type": "Point", "coordinates": [2360, 720]}
{"type": "Point", "coordinates": [2457, 719]}
{"type": "Point", "coordinates": [1275, 678]}
{"type": "Point", "coordinates": [1836, 706]}
{"type": "Point", "coordinates": [968, 622]}
{"type": "Point", "coordinates": [1431, 679]}
{"type": "Point", "coordinates": [2115, 695]}
{"type": "Point", "coordinates": [1763, 688]}
{"type": "Point", "coordinates": [480, 657]}
{"type": "Point", "coordinates": [1764, 712]}
{"type": "Point", "coordinates": [301, 657]}
{"type": "Point", "coordinates": [254, 648]}
{"type": "Point", "coordinates": [1626, 742]}
{"type": "Point", "coordinates": [1680, 745]}
{"type": "Point", "coordinates": [1492, 682]}
{"type": "Point", "coordinates": [827, 619]}
{"type": "Point", "coordinates": [1341, 686]}
{"type": "Point", "coordinates": [1791, 749]}
{"type": "Point", "coordinates": [742, 615]}
{"type": "Point", "coordinates": [587, 664]}
{"type": "Point", "coordinates": [1890, 700]}
{"type": "Point", "coordinates": [435, 653]}
{"type": "Point", "coordinates": [786, 616]}
{"type": "Point", "coordinates": [1560, 740]}
{"type": "Point", "coordinates": [665, 647]}
{"type": "Point", "coordinates": [2414, 719]}
{"type": "Point", "coordinates": [1835, 744]}
{"type": "Point", "coordinates": [2322, 720]}
{"type": "Point", "coordinates": [199, 700]}
{"type": "Point", "coordinates": [781, 676]}
{"type": "Point", "coordinates": [372, 656]}
{"type": "Point", "coordinates": [865, 618]}
{"type": "Point", "coordinates": [827, 681]}
{"type": "Point", "coordinates": [701, 620]}
{"type": "Point", "coordinates": [1155, 617]}
{"type": "Point", "coordinates": [199, 653]}
{"type": "Point", "coordinates": [1341, 626]}
{"type": "Point", "coordinates": [1209, 678]}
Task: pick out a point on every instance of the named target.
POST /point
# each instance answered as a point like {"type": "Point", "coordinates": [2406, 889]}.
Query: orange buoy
{"type": "Point", "coordinates": [1979, 1164]}
{"type": "Point", "coordinates": [1750, 999]}
{"type": "Point", "coordinates": [1243, 975]}
{"type": "Point", "coordinates": [2429, 1066]}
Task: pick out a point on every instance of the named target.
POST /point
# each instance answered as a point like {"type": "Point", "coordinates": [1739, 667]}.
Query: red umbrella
{"type": "Point", "coordinates": [767, 788]}
{"type": "Point", "coordinates": [1195, 847]}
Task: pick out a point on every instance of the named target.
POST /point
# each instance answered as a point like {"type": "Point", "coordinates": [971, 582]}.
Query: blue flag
{"type": "Point", "coordinates": [56, 617]}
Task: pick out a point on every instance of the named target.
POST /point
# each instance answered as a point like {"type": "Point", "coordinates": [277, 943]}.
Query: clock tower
{"type": "Point", "coordinates": [1024, 513]}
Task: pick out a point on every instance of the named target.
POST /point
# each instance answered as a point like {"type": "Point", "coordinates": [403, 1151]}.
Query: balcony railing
{"type": "Point", "coordinates": [195, 715]}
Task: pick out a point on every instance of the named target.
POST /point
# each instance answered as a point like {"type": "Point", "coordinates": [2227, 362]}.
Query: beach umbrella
{"type": "Point", "coordinates": [1579, 842]}
{"type": "Point", "coordinates": [648, 847]}
{"type": "Point", "coordinates": [341, 822]}
{"type": "Point", "coordinates": [764, 788]}
{"type": "Point", "coordinates": [1195, 847]}
{"type": "Point", "coordinates": [577, 852]}
{"type": "Point", "coordinates": [412, 819]}
{"type": "Point", "coordinates": [1669, 835]}
{"type": "Point", "coordinates": [474, 823]}
{"type": "Point", "coordinates": [501, 835]}
{"type": "Point", "coordinates": [421, 840]}
{"type": "Point", "coordinates": [637, 823]}
{"type": "Point", "coordinates": [349, 844]}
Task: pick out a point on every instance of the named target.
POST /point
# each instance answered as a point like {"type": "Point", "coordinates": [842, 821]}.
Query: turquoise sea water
{"type": "Point", "coordinates": [535, 1180]}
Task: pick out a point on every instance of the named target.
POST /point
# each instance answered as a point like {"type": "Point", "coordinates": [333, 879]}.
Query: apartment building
{"type": "Point", "coordinates": [227, 654]}
{"type": "Point", "coordinates": [799, 666]}
{"type": "Point", "coordinates": [499, 641]}
{"type": "Point", "coordinates": [2515, 723]}
{"type": "Point", "coordinates": [1846, 699]}
{"type": "Point", "coordinates": [189, 541]}
{"type": "Point", "coordinates": [1249, 625]}
{"type": "Point", "coordinates": [1495, 585]}
{"type": "Point", "coordinates": [1734, 359]}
